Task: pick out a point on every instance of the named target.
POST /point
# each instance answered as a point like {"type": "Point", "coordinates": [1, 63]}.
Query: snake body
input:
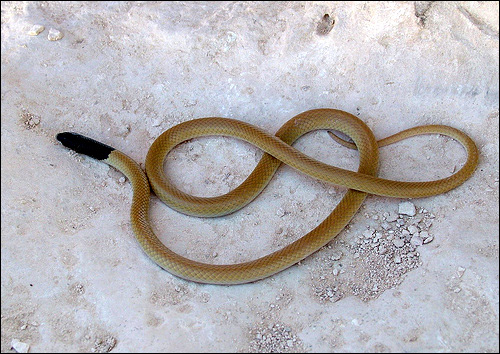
{"type": "Point", "coordinates": [277, 150]}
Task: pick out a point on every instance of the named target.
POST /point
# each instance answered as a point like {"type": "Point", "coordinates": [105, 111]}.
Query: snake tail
{"type": "Point", "coordinates": [84, 145]}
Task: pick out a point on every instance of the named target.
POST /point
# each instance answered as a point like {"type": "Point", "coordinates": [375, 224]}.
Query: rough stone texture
{"type": "Point", "coordinates": [74, 278]}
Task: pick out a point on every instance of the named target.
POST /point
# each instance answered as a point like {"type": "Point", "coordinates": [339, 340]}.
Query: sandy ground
{"type": "Point", "coordinates": [75, 279]}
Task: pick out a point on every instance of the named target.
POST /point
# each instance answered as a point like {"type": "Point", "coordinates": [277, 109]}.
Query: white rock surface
{"type": "Point", "coordinates": [126, 71]}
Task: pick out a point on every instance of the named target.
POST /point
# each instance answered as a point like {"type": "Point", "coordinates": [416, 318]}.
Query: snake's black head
{"type": "Point", "coordinates": [84, 145]}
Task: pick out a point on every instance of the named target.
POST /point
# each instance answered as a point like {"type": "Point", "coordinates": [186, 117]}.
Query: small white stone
{"type": "Point", "coordinates": [416, 241]}
{"type": "Point", "coordinates": [428, 239]}
{"type": "Point", "coordinates": [336, 256]}
{"type": "Point", "coordinates": [398, 242]}
{"type": "Point", "coordinates": [412, 229]}
{"type": "Point", "coordinates": [54, 35]}
{"type": "Point", "coordinates": [391, 217]}
{"type": "Point", "coordinates": [407, 208]}
{"type": "Point", "coordinates": [19, 347]}
{"type": "Point", "coordinates": [460, 271]}
{"type": "Point", "coordinates": [36, 30]}
{"type": "Point", "coordinates": [335, 272]}
{"type": "Point", "coordinates": [397, 259]}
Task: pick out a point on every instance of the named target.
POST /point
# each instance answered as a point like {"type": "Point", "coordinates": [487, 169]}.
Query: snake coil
{"type": "Point", "coordinates": [277, 149]}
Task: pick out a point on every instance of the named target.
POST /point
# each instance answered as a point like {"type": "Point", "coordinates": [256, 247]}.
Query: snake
{"type": "Point", "coordinates": [277, 149]}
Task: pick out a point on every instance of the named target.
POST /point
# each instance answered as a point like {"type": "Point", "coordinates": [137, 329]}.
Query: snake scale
{"type": "Point", "coordinates": [277, 150]}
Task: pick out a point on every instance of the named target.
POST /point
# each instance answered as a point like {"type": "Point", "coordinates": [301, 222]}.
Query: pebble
{"type": "Point", "coordinates": [412, 229]}
{"type": "Point", "coordinates": [391, 217]}
{"type": "Point", "coordinates": [54, 35]}
{"type": "Point", "coordinates": [407, 208]}
{"type": "Point", "coordinates": [428, 240]}
{"type": "Point", "coordinates": [398, 242]}
{"type": "Point", "coordinates": [416, 240]}
{"type": "Point", "coordinates": [424, 235]}
{"type": "Point", "coordinates": [397, 259]}
{"type": "Point", "coordinates": [460, 271]}
{"type": "Point", "coordinates": [36, 30]}
{"type": "Point", "coordinates": [336, 256]}
{"type": "Point", "coordinates": [19, 346]}
{"type": "Point", "coordinates": [325, 25]}
{"type": "Point", "coordinates": [416, 219]}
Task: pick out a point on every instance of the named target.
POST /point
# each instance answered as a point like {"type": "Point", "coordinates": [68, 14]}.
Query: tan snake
{"type": "Point", "coordinates": [277, 150]}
